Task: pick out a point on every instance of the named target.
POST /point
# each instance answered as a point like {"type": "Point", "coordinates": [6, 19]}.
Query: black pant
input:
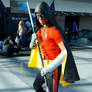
{"type": "Point", "coordinates": [75, 35]}
{"type": "Point", "coordinates": [40, 80]}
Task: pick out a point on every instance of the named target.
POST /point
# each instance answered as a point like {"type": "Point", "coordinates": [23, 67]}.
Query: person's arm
{"type": "Point", "coordinates": [11, 42]}
{"type": "Point", "coordinates": [76, 28]}
{"type": "Point", "coordinates": [29, 30]}
{"type": "Point", "coordinates": [35, 36]}
{"type": "Point", "coordinates": [56, 62]}
{"type": "Point", "coordinates": [32, 43]}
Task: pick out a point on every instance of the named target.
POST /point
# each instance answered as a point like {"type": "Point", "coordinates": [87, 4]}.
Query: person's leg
{"type": "Point", "coordinates": [23, 40]}
{"type": "Point", "coordinates": [20, 41]}
{"type": "Point", "coordinates": [73, 35]}
{"type": "Point", "coordinates": [55, 80]}
{"type": "Point", "coordinates": [38, 83]}
{"type": "Point", "coordinates": [49, 77]}
{"type": "Point", "coordinates": [40, 80]}
{"type": "Point", "coordinates": [76, 35]}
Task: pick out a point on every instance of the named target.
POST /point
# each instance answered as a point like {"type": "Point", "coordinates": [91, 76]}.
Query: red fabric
{"type": "Point", "coordinates": [55, 79]}
{"type": "Point", "coordinates": [49, 37]}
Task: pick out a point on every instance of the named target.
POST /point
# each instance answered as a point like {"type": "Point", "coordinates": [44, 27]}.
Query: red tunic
{"type": "Point", "coordinates": [49, 37]}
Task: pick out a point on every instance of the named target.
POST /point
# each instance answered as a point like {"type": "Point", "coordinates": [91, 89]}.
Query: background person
{"type": "Point", "coordinates": [9, 48]}
{"type": "Point", "coordinates": [28, 33]}
{"type": "Point", "coordinates": [1, 44]}
{"type": "Point", "coordinates": [68, 32]}
{"type": "Point", "coordinates": [75, 30]}
{"type": "Point", "coordinates": [21, 33]}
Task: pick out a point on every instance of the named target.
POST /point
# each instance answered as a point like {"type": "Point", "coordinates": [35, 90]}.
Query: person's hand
{"type": "Point", "coordinates": [34, 36]}
{"type": "Point", "coordinates": [43, 71]}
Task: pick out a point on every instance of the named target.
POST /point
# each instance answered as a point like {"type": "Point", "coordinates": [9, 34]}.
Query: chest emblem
{"type": "Point", "coordinates": [45, 35]}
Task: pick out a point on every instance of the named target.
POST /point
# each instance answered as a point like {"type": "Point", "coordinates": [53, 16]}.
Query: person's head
{"type": "Point", "coordinates": [42, 19]}
{"type": "Point", "coordinates": [43, 14]}
{"type": "Point", "coordinates": [21, 22]}
{"type": "Point", "coordinates": [9, 37]}
{"type": "Point", "coordinates": [28, 24]}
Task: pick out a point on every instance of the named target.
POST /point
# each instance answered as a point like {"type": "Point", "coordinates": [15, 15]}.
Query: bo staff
{"type": "Point", "coordinates": [30, 15]}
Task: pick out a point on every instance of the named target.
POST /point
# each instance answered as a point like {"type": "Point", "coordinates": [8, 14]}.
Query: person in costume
{"type": "Point", "coordinates": [59, 65]}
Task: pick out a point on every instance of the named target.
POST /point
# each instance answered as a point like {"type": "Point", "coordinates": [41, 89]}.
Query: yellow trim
{"type": "Point", "coordinates": [64, 83]}
{"type": "Point", "coordinates": [44, 25]}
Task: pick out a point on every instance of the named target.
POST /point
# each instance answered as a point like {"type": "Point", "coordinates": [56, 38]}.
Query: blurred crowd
{"type": "Point", "coordinates": [14, 44]}
{"type": "Point", "coordinates": [22, 38]}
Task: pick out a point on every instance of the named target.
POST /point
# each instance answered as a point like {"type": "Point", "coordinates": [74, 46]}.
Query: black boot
{"type": "Point", "coordinates": [41, 91]}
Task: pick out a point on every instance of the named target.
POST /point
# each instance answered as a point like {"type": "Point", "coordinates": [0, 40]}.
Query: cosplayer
{"type": "Point", "coordinates": [59, 65]}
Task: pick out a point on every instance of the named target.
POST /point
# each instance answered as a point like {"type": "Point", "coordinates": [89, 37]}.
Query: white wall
{"type": "Point", "coordinates": [60, 20]}
{"type": "Point", "coordinates": [72, 6]}
{"type": "Point", "coordinates": [60, 5]}
{"type": "Point", "coordinates": [6, 3]}
{"type": "Point", "coordinates": [85, 22]}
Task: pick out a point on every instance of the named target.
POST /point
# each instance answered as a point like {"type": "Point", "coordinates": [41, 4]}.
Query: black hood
{"type": "Point", "coordinates": [44, 9]}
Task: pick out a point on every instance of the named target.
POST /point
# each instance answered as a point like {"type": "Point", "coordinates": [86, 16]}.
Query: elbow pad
{"type": "Point", "coordinates": [56, 62]}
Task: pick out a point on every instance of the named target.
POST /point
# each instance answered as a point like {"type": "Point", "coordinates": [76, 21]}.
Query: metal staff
{"type": "Point", "coordinates": [30, 15]}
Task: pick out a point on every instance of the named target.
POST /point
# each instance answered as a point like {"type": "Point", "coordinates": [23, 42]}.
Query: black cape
{"type": "Point", "coordinates": [70, 73]}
